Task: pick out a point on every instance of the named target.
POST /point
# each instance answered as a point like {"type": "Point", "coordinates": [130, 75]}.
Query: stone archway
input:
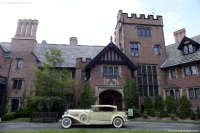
{"type": "Point", "coordinates": [111, 97]}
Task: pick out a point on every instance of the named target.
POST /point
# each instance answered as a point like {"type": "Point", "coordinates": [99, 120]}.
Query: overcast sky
{"type": "Point", "coordinates": [94, 21]}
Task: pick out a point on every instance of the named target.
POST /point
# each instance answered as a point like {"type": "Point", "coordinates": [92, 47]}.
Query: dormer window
{"type": "Point", "coordinates": [188, 49]}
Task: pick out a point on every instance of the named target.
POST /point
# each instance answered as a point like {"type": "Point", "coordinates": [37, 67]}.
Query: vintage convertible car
{"type": "Point", "coordinates": [98, 114]}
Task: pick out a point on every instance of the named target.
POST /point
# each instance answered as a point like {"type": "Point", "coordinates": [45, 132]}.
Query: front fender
{"type": "Point", "coordinates": [74, 118]}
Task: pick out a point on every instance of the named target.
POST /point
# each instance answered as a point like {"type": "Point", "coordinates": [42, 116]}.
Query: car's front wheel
{"type": "Point", "coordinates": [117, 122]}
{"type": "Point", "coordinates": [66, 122]}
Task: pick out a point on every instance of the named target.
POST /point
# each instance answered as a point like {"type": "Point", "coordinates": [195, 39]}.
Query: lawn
{"type": "Point", "coordinates": [91, 131]}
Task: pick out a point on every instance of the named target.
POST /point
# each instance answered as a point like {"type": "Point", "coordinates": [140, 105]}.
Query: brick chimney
{"type": "Point", "coordinates": [26, 28]}
{"type": "Point", "coordinates": [24, 39]}
{"type": "Point", "coordinates": [119, 15]}
{"type": "Point", "coordinates": [73, 41]}
{"type": "Point", "coordinates": [179, 35]}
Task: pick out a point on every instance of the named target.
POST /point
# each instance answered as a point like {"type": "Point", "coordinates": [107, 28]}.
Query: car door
{"type": "Point", "coordinates": [101, 114]}
{"type": "Point", "coordinates": [95, 114]}
{"type": "Point", "coordinates": [105, 113]}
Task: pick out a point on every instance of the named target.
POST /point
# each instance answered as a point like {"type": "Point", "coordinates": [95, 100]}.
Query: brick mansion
{"type": "Point", "coordinates": [138, 50]}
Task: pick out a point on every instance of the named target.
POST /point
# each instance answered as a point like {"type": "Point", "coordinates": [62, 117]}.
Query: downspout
{"type": "Point", "coordinates": [7, 79]}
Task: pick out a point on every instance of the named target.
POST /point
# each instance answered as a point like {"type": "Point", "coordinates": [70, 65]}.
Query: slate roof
{"type": "Point", "coordinates": [5, 46]}
{"type": "Point", "coordinates": [70, 52]}
{"type": "Point", "coordinates": [175, 57]}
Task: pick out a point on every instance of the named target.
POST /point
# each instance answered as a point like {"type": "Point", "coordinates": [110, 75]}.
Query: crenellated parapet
{"type": "Point", "coordinates": [142, 19]}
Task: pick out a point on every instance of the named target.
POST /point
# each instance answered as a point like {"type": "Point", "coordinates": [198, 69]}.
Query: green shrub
{"type": "Point", "coordinates": [198, 113]}
{"type": "Point", "coordinates": [148, 105]}
{"type": "Point", "coordinates": [185, 106]}
{"type": "Point", "coordinates": [136, 112]}
{"type": "Point", "coordinates": [170, 104]}
{"type": "Point", "coordinates": [165, 113]}
{"type": "Point", "coordinates": [173, 116]}
{"type": "Point", "coordinates": [182, 115]}
{"type": "Point", "coordinates": [22, 113]}
{"type": "Point", "coordinates": [2, 113]}
{"type": "Point", "coordinates": [145, 115]}
{"type": "Point", "coordinates": [159, 103]}
{"type": "Point", "coordinates": [152, 112]}
{"type": "Point", "coordinates": [192, 115]}
{"type": "Point", "coordinates": [159, 114]}
{"type": "Point", "coordinates": [8, 116]}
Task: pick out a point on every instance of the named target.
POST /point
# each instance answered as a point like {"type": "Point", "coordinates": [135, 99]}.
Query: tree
{"type": "Point", "coordinates": [52, 83]}
{"type": "Point", "coordinates": [131, 94]}
{"type": "Point", "coordinates": [158, 103]}
{"type": "Point", "coordinates": [185, 106]}
{"type": "Point", "coordinates": [87, 97]}
{"type": "Point", "coordinates": [170, 104]}
{"type": "Point", "coordinates": [148, 105]}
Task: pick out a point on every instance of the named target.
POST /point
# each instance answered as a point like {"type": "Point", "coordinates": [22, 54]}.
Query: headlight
{"type": "Point", "coordinates": [65, 112]}
{"type": "Point", "coordinates": [125, 116]}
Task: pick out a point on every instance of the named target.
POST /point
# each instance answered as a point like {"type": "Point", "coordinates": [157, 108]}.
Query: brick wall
{"type": "Point", "coordinates": [185, 81]}
{"type": "Point", "coordinates": [21, 48]}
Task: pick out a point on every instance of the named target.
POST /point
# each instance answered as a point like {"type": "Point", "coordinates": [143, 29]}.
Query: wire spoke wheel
{"type": "Point", "coordinates": [117, 122]}
{"type": "Point", "coordinates": [66, 122]}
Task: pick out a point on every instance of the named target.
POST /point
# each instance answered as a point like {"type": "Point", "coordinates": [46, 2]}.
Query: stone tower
{"type": "Point", "coordinates": [142, 40]}
{"type": "Point", "coordinates": [22, 61]}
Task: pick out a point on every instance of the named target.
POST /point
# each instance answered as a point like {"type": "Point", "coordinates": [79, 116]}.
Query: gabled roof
{"type": "Point", "coordinates": [175, 57]}
{"type": "Point", "coordinates": [111, 45]}
{"type": "Point", "coordinates": [184, 40]}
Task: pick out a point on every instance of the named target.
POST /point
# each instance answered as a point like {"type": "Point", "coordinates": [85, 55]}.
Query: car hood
{"type": "Point", "coordinates": [72, 111]}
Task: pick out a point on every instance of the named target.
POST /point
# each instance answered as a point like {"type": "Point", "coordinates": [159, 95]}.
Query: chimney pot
{"type": "Point", "coordinates": [73, 41]}
{"type": "Point", "coordinates": [44, 42]}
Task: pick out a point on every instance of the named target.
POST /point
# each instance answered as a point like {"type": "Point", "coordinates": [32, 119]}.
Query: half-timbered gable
{"type": "Point", "coordinates": [111, 55]}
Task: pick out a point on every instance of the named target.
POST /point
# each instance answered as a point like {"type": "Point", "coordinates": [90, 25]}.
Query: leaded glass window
{"type": "Point", "coordinates": [151, 90]}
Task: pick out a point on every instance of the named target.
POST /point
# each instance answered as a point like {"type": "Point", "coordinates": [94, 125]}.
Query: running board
{"type": "Point", "coordinates": [99, 122]}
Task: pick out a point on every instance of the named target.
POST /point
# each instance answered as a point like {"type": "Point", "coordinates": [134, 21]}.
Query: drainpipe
{"type": "Point", "coordinates": [6, 86]}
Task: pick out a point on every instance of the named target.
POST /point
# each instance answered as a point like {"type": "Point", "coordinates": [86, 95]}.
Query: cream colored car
{"type": "Point", "coordinates": [98, 114]}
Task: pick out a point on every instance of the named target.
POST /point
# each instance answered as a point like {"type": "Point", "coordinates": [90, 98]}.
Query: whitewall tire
{"type": "Point", "coordinates": [117, 122]}
{"type": "Point", "coordinates": [66, 122]}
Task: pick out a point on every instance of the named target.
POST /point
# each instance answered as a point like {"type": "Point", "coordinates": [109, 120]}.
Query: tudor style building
{"type": "Point", "coordinates": [142, 40]}
{"type": "Point", "coordinates": [139, 52]}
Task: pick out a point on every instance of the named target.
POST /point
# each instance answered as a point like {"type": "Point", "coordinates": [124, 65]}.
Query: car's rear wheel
{"type": "Point", "coordinates": [66, 122]}
{"type": "Point", "coordinates": [117, 122]}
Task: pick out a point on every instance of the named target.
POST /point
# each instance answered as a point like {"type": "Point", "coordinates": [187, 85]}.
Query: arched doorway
{"type": "Point", "coordinates": [111, 97]}
{"type": "Point", "coordinates": [107, 100]}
